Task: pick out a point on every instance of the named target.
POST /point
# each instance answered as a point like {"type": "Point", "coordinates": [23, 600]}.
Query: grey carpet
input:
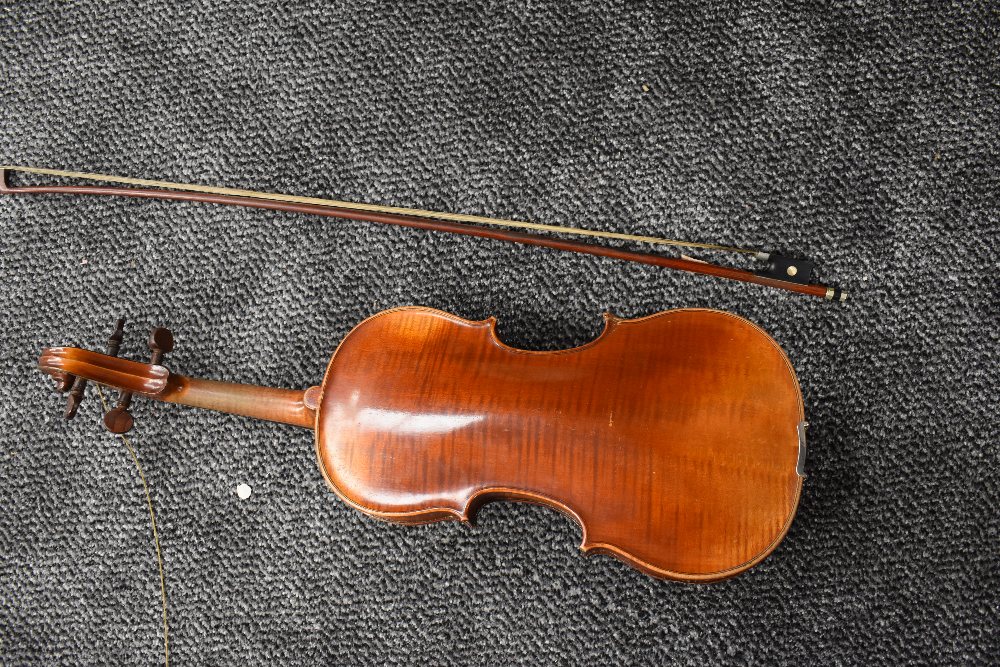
{"type": "Point", "coordinates": [863, 135]}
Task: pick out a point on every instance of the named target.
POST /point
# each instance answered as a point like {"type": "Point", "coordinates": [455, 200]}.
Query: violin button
{"type": "Point", "coordinates": [311, 397]}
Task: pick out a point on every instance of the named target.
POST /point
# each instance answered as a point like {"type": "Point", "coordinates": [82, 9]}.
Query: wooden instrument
{"type": "Point", "coordinates": [676, 440]}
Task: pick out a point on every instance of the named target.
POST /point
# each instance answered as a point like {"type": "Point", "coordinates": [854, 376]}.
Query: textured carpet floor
{"type": "Point", "coordinates": [864, 136]}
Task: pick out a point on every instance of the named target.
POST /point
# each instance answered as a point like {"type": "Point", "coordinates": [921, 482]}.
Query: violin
{"type": "Point", "coordinates": [676, 441]}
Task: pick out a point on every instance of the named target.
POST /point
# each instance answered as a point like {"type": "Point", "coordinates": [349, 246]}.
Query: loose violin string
{"type": "Point", "coordinates": [394, 210]}
{"type": "Point", "coordinates": [156, 535]}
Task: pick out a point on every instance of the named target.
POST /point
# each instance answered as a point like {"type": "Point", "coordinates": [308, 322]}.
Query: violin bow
{"type": "Point", "coordinates": [793, 275]}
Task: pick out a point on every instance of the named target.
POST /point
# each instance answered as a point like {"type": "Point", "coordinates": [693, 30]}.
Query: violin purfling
{"type": "Point", "coordinates": [676, 441]}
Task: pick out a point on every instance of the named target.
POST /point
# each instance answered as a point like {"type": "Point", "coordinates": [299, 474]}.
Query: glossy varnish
{"type": "Point", "coordinates": [671, 439]}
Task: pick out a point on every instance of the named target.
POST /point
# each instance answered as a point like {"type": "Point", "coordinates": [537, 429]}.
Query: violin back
{"type": "Point", "coordinates": [672, 439]}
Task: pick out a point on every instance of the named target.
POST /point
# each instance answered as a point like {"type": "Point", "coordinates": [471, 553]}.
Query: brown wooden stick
{"type": "Point", "coordinates": [679, 264]}
{"type": "Point", "coordinates": [286, 406]}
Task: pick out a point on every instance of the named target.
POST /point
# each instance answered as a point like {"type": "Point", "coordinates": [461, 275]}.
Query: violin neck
{"type": "Point", "coordinates": [286, 406]}
{"type": "Point", "coordinates": [73, 367]}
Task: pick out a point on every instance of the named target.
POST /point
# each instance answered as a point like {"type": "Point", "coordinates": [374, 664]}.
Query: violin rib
{"type": "Point", "coordinates": [672, 439]}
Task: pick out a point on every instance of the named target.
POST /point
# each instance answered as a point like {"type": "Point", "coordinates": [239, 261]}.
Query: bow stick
{"type": "Point", "coordinates": [781, 272]}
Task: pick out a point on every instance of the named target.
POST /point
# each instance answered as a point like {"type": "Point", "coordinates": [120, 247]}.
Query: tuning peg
{"type": "Point", "coordinates": [78, 386]}
{"type": "Point", "coordinates": [64, 381]}
{"type": "Point", "coordinates": [161, 342]}
{"type": "Point", "coordinates": [120, 420]}
{"type": "Point", "coordinates": [75, 397]}
{"type": "Point", "coordinates": [115, 339]}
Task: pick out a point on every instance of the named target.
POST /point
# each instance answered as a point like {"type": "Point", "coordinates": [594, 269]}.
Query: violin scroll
{"type": "Point", "coordinates": [72, 368]}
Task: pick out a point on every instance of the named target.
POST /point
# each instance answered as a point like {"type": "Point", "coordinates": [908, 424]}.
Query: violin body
{"type": "Point", "coordinates": [673, 440]}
